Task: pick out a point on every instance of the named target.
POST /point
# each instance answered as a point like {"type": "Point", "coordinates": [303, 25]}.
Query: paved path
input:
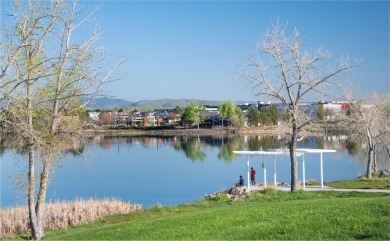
{"type": "Point", "coordinates": [318, 188]}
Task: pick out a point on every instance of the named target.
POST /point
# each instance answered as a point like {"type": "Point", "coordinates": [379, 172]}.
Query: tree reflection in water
{"type": "Point", "coordinates": [194, 146]}
{"type": "Point", "coordinates": [226, 149]}
{"type": "Point", "coordinates": [192, 149]}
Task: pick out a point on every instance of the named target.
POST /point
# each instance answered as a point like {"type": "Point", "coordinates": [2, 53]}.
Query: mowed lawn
{"type": "Point", "coordinates": [271, 215]}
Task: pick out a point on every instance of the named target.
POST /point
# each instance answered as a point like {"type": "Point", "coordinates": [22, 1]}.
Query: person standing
{"type": "Point", "coordinates": [253, 174]}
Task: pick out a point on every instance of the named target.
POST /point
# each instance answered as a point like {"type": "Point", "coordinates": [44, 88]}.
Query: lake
{"type": "Point", "coordinates": [172, 170]}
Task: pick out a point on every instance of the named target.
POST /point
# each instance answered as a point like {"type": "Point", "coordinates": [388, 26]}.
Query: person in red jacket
{"type": "Point", "coordinates": [253, 174]}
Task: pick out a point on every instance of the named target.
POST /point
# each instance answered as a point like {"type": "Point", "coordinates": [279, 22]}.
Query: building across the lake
{"type": "Point", "coordinates": [331, 109]}
{"type": "Point", "coordinates": [211, 114]}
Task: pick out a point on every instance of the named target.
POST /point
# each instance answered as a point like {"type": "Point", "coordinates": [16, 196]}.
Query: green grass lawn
{"type": "Point", "coordinates": [274, 215]}
{"type": "Point", "coordinates": [363, 183]}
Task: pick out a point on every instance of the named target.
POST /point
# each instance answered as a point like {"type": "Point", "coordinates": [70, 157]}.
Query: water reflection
{"type": "Point", "coordinates": [193, 146]}
{"type": "Point", "coordinates": [192, 149]}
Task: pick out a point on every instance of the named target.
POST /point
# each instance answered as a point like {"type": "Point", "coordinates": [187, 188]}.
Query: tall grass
{"type": "Point", "coordinates": [64, 214]}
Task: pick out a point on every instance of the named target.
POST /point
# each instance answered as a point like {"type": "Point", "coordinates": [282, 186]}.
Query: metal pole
{"type": "Point", "coordinates": [322, 173]}
{"type": "Point", "coordinates": [275, 172]}
{"type": "Point", "coordinates": [303, 171]}
{"type": "Point", "coordinates": [247, 163]}
{"type": "Point", "coordinates": [265, 174]}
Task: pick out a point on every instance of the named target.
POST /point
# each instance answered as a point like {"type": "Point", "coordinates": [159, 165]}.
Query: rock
{"type": "Point", "coordinates": [208, 196]}
{"type": "Point", "coordinates": [232, 193]}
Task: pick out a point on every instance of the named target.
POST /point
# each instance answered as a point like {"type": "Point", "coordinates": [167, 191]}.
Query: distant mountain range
{"type": "Point", "coordinates": [106, 103]}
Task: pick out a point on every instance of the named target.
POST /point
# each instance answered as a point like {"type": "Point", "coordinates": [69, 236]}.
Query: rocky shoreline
{"type": "Point", "coordinates": [232, 193]}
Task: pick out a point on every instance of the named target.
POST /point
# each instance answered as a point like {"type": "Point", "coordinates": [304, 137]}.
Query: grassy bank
{"type": "Point", "coordinates": [272, 215]}
{"type": "Point", "coordinates": [376, 182]}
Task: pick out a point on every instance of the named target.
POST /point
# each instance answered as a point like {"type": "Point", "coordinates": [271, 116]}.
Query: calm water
{"type": "Point", "coordinates": [171, 170]}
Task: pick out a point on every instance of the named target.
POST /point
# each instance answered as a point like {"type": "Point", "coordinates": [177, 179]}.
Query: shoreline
{"type": "Point", "coordinates": [195, 132]}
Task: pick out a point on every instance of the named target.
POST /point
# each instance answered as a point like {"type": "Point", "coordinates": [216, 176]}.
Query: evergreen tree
{"type": "Point", "coordinates": [253, 116]}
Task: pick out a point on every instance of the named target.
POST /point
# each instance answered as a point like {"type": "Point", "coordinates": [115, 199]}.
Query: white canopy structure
{"type": "Point", "coordinates": [321, 151]}
{"type": "Point", "coordinates": [280, 152]}
{"type": "Point", "coordinates": [261, 153]}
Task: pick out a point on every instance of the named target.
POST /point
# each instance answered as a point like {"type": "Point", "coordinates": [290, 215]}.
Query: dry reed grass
{"type": "Point", "coordinates": [63, 214]}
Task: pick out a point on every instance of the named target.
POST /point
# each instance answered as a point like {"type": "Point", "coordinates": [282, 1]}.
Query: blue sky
{"type": "Point", "coordinates": [194, 49]}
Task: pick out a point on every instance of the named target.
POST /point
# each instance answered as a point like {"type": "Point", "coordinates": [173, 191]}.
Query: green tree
{"type": "Point", "coordinates": [192, 114]}
{"type": "Point", "coordinates": [228, 110]}
{"type": "Point", "coordinates": [237, 118]}
{"type": "Point", "coordinates": [320, 113]}
{"type": "Point", "coordinates": [225, 110]}
{"type": "Point", "coordinates": [274, 113]}
{"type": "Point", "coordinates": [265, 116]}
{"type": "Point", "coordinates": [178, 110]}
{"type": "Point", "coordinates": [253, 116]}
{"type": "Point", "coordinates": [269, 115]}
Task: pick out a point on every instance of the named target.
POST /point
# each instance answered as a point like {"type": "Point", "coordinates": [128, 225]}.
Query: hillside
{"type": "Point", "coordinates": [108, 103]}
{"type": "Point", "coordinates": [171, 103]}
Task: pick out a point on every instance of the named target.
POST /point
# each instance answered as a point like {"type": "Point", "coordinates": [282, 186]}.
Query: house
{"type": "Point", "coordinates": [334, 108]}
{"type": "Point", "coordinates": [331, 109]}
{"type": "Point", "coordinates": [94, 115]}
{"type": "Point", "coordinates": [149, 119]}
{"type": "Point", "coordinates": [246, 106]}
{"type": "Point", "coordinates": [136, 120]}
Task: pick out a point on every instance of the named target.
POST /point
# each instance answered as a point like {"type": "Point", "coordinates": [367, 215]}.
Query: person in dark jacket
{"type": "Point", "coordinates": [240, 182]}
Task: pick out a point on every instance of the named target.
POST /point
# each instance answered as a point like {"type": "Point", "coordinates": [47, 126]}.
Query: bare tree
{"type": "Point", "coordinates": [283, 71]}
{"type": "Point", "coordinates": [48, 74]}
{"type": "Point", "coordinates": [106, 118]}
{"type": "Point", "coordinates": [368, 122]}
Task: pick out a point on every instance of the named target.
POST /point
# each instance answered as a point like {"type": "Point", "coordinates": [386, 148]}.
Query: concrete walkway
{"type": "Point", "coordinates": [241, 191]}
{"type": "Point", "coordinates": [318, 188]}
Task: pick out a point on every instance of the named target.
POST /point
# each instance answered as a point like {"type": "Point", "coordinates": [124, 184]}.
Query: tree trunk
{"type": "Point", "coordinates": [293, 157]}
{"type": "Point", "coordinates": [375, 164]}
{"type": "Point", "coordinates": [370, 154]}
{"type": "Point", "coordinates": [369, 161]}
{"type": "Point", "coordinates": [39, 208]}
{"type": "Point", "coordinates": [388, 150]}
{"type": "Point", "coordinates": [35, 217]}
{"type": "Point", "coordinates": [31, 192]}
{"type": "Point", "coordinates": [34, 208]}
